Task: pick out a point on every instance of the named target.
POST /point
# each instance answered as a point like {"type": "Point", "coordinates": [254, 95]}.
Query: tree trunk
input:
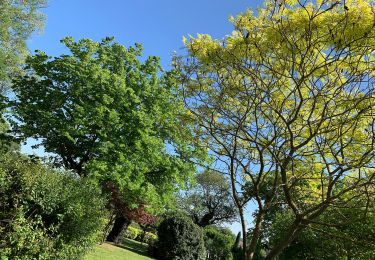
{"type": "Point", "coordinates": [245, 255]}
{"type": "Point", "coordinates": [294, 230]}
{"type": "Point", "coordinates": [255, 235]}
{"type": "Point", "coordinates": [206, 220]}
{"type": "Point", "coordinates": [118, 229]}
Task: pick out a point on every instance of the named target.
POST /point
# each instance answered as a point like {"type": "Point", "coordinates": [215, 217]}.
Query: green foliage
{"type": "Point", "coordinates": [139, 235]}
{"type": "Point", "coordinates": [285, 105]}
{"type": "Point", "coordinates": [7, 142]}
{"type": "Point", "coordinates": [44, 213]}
{"type": "Point", "coordinates": [342, 234]}
{"type": "Point", "coordinates": [218, 243]}
{"type": "Point", "coordinates": [210, 201]}
{"type": "Point", "coordinates": [148, 238]}
{"type": "Point", "coordinates": [106, 114]}
{"type": "Point", "coordinates": [180, 238]}
{"type": "Point", "coordinates": [132, 232]}
{"type": "Point", "coordinates": [19, 19]}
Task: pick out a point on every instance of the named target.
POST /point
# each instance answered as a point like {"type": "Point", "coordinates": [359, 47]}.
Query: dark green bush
{"type": "Point", "coordinates": [218, 243]}
{"type": "Point", "coordinates": [45, 213]}
{"type": "Point", "coordinates": [179, 238]}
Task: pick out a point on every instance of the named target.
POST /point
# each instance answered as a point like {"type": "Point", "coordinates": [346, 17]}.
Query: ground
{"type": "Point", "coordinates": [129, 250]}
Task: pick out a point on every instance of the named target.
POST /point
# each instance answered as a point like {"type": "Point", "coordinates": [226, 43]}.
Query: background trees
{"type": "Point", "coordinates": [219, 243]}
{"type": "Point", "coordinates": [282, 103]}
{"type": "Point", "coordinates": [210, 201]}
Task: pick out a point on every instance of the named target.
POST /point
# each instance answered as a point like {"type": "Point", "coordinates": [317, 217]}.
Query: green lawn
{"type": "Point", "coordinates": [129, 250]}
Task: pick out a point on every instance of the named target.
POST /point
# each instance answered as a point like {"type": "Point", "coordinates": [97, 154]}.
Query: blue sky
{"type": "Point", "coordinates": [158, 25]}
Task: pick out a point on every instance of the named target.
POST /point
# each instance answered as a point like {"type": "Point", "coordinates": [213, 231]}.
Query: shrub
{"type": "Point", "coordinates": [179, 238]}
{"type": "Point", "coordinates": [146, 237]}
{"type": "Point", "coordinates": [45, 213]}
{"type": "Point", "coordinates": [132, 232]}
{"type": "Point", "coordinates": [139, 235]}
{"type": "Point", "coordinates": [218, 243]}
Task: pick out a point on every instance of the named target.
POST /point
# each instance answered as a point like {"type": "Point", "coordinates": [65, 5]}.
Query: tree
{"type": "Point", "coordinates": [336, 234]}
{"type": "Point", "coordinates": [124, 215]}
{"type": "Point", "coordinates": [218, 243]}
{"type": "Point", "coordinates": [286, 106]}
{"type": "Point", "coordinates": [104, 114]}
{"type": "Point", "coordinates": [210, 202]}
{"type": "Point", "coordinates": [19, 19]}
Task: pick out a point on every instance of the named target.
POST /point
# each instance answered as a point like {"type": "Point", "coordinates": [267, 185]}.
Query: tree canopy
{"type": "Point", "coordinates": [286, 105]}
{"type": "Point", "coordinates": [104, 113]}
{"type": "Point", "coordinates": [210, 201]}
{"type": "Point", "coordinates": [19, 19]}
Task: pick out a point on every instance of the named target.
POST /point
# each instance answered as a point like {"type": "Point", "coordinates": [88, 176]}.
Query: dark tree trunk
{"type": "Point", "coordinates": [206, 220]}
{"type": "Point", "coordinates": [255, 235]}
{"type": "Point", "coordinates": [118, 229]}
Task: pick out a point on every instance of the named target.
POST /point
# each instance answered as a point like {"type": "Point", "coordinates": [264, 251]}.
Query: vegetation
{"type": "Point", "coordinates": [140, 235]}
{"type": "Point", "coordinates": [282, 103]}
{"type": "Point", "coordinates": [280, 114]}
{"type": "Point", "coordinates": [19, 19]}
{"type": "Point", "coordinates": [210, 201]}
{"type": "Point", "coordinates": [46, 213]}
{"type": "Point", "coordinates": [219, 243]}
{"type": "Point", "coordinates": [105, 114]}
{"type": "Point", "coordinates": [179, 238]}
{"type": "Point", "coordinates": [345, 238]}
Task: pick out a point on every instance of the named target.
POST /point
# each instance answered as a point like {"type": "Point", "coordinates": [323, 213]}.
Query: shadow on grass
{"type": "Point", "coordinates": [134, 247]}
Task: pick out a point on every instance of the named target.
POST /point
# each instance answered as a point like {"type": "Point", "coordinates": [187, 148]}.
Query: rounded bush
{"type": "Point", "coordinates": [179, 238]}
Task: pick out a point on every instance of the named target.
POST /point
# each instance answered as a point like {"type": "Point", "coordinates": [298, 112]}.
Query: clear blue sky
{"type": "Point", "coordinates": [158, 25]}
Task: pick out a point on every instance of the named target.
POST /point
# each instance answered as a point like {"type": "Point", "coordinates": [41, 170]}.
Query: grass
{"type": "Point", "coordinates": [129, 250]}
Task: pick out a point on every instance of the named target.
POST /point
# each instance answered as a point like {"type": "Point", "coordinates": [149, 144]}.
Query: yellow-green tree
{"type": "Point", "coordinates": [286, 105]}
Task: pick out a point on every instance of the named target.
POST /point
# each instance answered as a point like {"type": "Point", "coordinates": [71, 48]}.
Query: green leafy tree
{"type": "Point", "coordinates": [218, 243]}
{"type": "Point", "coordinates": [19, 19]}
{"type": "Point", "coordinates": [105, 114]}
{"type": "Point", "coordinates": [210, 201]}
{"type": "Point", "coordinates": [285, 104]}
